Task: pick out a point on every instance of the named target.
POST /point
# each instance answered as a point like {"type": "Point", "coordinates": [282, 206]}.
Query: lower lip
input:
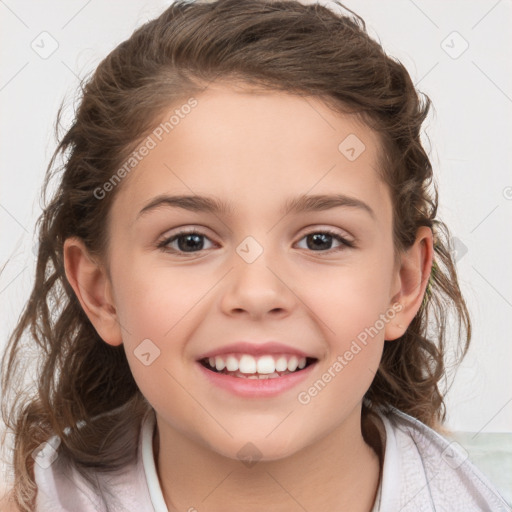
{"type": "Point", "coordinates": [256, 388]}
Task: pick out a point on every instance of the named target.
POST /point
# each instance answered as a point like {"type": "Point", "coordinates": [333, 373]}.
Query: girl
{"type": "Point", "coordinates": [242, 288]}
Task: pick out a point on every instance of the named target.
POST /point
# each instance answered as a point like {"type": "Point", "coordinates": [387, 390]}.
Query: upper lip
{"type": "Point", "coordinates": [255, 349]}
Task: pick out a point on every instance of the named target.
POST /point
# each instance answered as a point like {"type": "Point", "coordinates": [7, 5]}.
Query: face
{"type": "Point", "coordinates": [276, 278]}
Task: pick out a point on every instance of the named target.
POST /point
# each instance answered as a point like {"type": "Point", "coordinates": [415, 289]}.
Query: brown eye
{"type": "Point", "coordinates": [185, 242]}
{"type": "Point", "coordinates": [322, 241]}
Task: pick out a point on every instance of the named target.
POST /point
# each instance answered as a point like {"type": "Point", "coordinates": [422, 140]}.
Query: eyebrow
{"type": "Point", "coordinates": [300, 204]}
{"type": "Point", "coordinates": [321, 202]}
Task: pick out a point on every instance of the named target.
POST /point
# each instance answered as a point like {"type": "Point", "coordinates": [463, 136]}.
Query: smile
{"type": "Point", "coordinates": [263, 376]}
{"type": "Point", "coordinates": [246, 366]}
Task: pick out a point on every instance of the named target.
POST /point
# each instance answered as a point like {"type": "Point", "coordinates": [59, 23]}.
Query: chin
{"type": "Point", "coordinates": [251, 449]}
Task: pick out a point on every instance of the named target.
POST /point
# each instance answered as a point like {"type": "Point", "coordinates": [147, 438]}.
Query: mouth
{"type": "Point", "coordinates": [246, 366]}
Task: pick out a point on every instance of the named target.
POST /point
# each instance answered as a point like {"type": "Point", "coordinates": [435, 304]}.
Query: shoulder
{"type": "Point", "coordinates": [62, 487]}
{"type": "Point", "coordinates": [433, 472]}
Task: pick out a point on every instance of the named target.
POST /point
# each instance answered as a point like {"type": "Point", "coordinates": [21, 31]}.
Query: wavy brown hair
{"type": "Point", "coordinates": [303, 49]}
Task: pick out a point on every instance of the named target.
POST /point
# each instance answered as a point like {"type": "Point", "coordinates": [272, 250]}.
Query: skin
{"type": "Point", "coordinates": [255, 151]}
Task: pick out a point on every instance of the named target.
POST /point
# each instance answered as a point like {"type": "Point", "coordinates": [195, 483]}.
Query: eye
{"type": "Point", "coordinates": [193, 241]}
{"type": "Point", "coordinates": [321, 241]}
{"type": "Point", "coordinates": [185, 242]}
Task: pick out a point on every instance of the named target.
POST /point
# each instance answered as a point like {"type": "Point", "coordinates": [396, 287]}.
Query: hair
{"type": "Point", "coordinates": [85, 392]}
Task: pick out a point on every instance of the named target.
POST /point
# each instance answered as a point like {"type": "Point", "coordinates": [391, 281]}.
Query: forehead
{"type": "Point", "coordinates": [238, 142]}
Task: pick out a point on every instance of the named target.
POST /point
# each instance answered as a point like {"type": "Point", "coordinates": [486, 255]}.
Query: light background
{"type": "Point", "coordinates": [469, 131]}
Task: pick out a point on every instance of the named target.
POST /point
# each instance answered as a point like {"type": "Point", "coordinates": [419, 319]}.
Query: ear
{"type": "Point", "coordinates": [412, 279]}
{"type": "Point", "coordinates": [93, 289]}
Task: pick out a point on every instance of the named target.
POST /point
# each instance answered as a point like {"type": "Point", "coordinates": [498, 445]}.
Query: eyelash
{"type": "Point", "coordinates": [163, 245]}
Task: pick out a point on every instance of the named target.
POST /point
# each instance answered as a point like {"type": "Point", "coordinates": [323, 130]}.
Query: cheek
{"type": "Point", "coordinates": [155, 318]}
{"type": "Point", "coordinates": [352, 304]}
{"type": "Point", "coordinates": [347, 300]}
{"type": "Point", "coordinates": [350, 308]}
{"type": "Point", "coordinates": [157, 309]}
{"type": "Point", "coordinates": [153, 300]}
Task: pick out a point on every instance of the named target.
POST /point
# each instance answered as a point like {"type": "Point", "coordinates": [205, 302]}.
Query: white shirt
{"type": "Point", "coordinates": [422, 472]}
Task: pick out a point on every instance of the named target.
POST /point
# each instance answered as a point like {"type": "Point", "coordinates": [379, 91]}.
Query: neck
{"type": "Point", "coordinates": [338, 472]}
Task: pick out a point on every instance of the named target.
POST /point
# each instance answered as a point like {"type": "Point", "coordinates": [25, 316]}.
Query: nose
{"type": "Point", "coordinates": [258, 289]}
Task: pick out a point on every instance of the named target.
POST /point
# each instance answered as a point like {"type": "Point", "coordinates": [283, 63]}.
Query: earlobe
{"type": "Point", "coordinates": [92, 286]}
{"type": "Point", "coordinates": [413, 276]}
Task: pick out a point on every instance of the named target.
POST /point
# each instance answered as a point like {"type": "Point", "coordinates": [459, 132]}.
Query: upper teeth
{"type": "Point", "coordinates": [265, 364]}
